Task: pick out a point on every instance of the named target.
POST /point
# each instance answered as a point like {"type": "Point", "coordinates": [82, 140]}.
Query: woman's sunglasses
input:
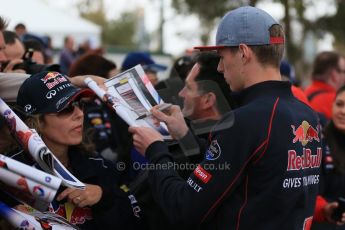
{"type": "Point", "coordinates": [70, 108]}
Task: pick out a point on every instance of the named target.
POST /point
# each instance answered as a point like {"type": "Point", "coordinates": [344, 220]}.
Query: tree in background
{"type": "Point", "coordinates": [123, 31]}
{"type": "Point", "coordinates": [334, 25]}
{"type": "Point", "coordinates": [294, 11]}
{"type": "Point", "coordinates": [208, 15]}
{"type": "Point", "coordinates": [119, 32]}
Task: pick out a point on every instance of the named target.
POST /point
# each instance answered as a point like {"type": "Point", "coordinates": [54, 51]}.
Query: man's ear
{"type": "Point", "coordinates": [208, 100]}
{"type": "Point", "coordinates": [245, 52]}
{"type": "Point", "coordinates": [334, 78]}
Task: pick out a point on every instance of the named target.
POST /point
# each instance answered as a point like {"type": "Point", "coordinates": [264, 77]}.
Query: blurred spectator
{"type": "Point", "coordinates": [84, 48]}
{"type": "Point", "coordinates": [93, 64]}
{"type": "Point", "coordinates": [149, 65]}
{"type": "Point", "coordinates": [67, 55]}
{"type": "Point", "coordinates": [24, 60]}
{"type": "Point", "coordinates": [169, 88]}
{"type": "Point", "coordinates": [288, 74]}
{"type": "Point", "coordinates": [48, 52]}
{"type": "Point", "coordinates": [24, 35]}
{"type": "Point", "coordinates": [101, 121]}
{"type": "Point", "coordinates": [38, 50]}
{"type": "Point", "coordinates": [14, 47]}
{"type": "Point", "coordinates": [287, 70]}
{"type": "Point", "coordinates": [14, 52]}
{"type": "Point", "coordinates": [328, 75]}
{"type": "Point", "coordinates": [9, 82]}
{"type": "Point", "coordinates": [20, 30]}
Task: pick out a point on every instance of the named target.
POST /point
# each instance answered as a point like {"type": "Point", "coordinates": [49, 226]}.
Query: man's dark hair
{"type": "Point", "coordinates": [10, 37]}
{"type": "Point", "coordinates": [34, 45]}
{"type": "Point", "coordinates": [271, 54]}
{"type": "Point", "coordinates": [324, 62]}
{"type": "Point", "coordinates": [20, 26]}
{"type": "Point", "coordinates": [210, 80]}
{"type": "Point", "coordinates": [182, 67]}
{"type": "Point", "coordinates": [3, 24]}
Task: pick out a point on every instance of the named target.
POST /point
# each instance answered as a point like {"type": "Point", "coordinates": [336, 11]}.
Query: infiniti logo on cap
{"type": "Point", "coordinates": [50, 94]}
{"type": "Point", "coordinates": [27, 108]}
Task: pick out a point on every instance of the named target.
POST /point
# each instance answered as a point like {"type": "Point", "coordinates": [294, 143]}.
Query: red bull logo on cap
{"type": "Point", "coordinates": [305, 133]}
{"type": "Point", "coordinates": [49, 76]}
{"type": "Point", "coordinates": [52, 79]}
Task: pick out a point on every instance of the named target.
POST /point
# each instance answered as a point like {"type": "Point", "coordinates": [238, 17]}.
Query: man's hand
{"type": "Point", "coordinates": [173, 118]}
{"type": "Point", "coordinates": [143, 137]}
{"type": "Point", "coordinates": [81, 198]}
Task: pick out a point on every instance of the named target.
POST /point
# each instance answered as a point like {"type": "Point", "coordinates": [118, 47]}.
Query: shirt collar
{"type": "Point", "coordinates": [263, 89]}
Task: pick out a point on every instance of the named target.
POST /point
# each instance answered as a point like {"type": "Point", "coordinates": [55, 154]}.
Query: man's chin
{"type": "Point", "coordinates": [185, 113]}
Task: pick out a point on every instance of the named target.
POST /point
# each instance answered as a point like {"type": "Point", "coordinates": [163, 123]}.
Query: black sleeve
{"type": "Point", "coordinates": [193, 201]}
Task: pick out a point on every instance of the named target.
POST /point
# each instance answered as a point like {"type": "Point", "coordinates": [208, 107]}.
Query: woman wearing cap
{"type": "Point", "coordinates": [54, 108]}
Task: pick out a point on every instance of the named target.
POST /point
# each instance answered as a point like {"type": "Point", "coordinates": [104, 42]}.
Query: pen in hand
{"type": "Point", "coordinates": [161, 107]}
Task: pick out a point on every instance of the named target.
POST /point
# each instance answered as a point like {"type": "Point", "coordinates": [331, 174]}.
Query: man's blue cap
{"type": "Point", "coordinates": [245, 25]}
{"type": "Point", "coordinates": [134, 58]}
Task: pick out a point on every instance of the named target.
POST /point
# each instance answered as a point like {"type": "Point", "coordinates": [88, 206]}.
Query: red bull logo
{"type": "Point", "coordinates": [80, 215]}
{"type": "Point", "coordinates": [52, 79]}
{"type": "Point", "coordinates": [49, 76]}
{"type": "Point", "coordinates": [307, 160]}
{"type": "Point", "coordinates": [305, 133]}
{"type": "Point", "coordinates": [75, 215]}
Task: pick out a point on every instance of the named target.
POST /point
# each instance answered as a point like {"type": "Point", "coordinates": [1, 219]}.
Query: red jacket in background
{"type": "Point", "coordinates": [321, 96]}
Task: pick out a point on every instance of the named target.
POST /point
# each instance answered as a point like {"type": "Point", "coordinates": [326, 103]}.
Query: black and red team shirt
{"type": "Point", "coordinates": [261, 169]}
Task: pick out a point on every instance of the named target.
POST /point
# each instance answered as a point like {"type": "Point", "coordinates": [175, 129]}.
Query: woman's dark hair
{"type": "Point", "coordinates": [92, 64]}
{"type": "Point", "coordinates": [340, 90]}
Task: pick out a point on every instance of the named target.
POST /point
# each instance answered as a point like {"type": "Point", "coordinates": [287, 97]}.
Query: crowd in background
{"type": "Point", "coordinates": [89, 138]}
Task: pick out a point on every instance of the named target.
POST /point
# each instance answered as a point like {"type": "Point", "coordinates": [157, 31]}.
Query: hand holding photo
{"type": "Point", "coordinates": [160, 107]}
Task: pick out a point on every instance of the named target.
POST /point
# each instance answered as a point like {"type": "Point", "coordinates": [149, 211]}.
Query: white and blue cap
{"type": "Point", "coordinates": [245, 25]}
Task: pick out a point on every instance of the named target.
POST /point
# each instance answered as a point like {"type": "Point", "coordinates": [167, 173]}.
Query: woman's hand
{"type": "Point", "coordinates": [22, 207]}
{"type": "Point", "coordinates": [328, 211]}
{"type": "Point", "coordinates": [91, 195]}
